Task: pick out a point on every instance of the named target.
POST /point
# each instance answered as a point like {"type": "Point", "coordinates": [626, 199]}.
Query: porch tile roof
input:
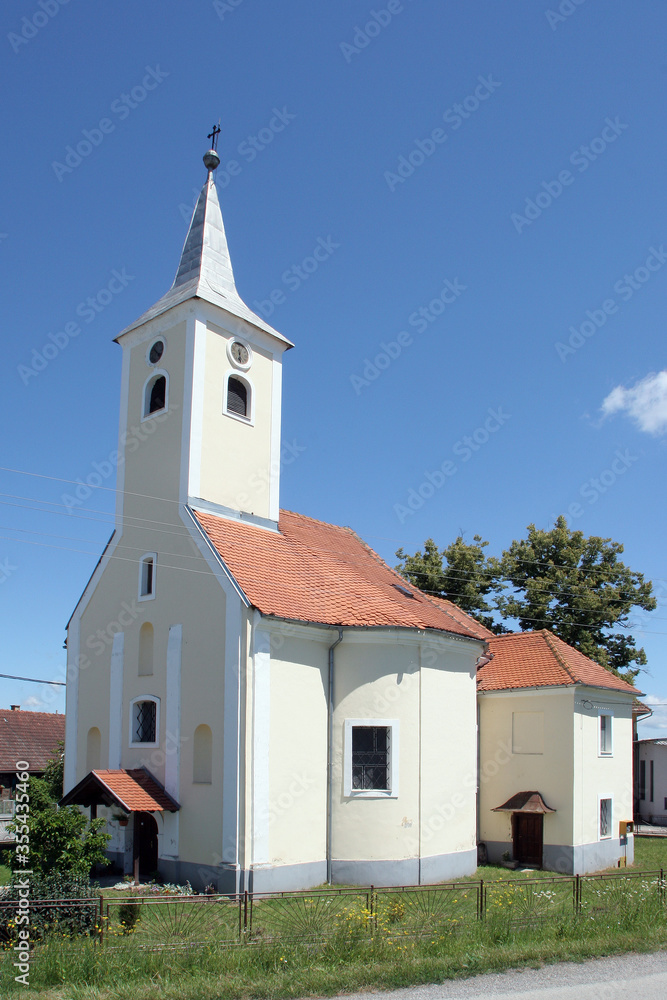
{"type": "Point", "coordinates": [541, 659]}
{"type": "Point", "coordinates": [312, 571]}
{"type": "Point", "coordinates": [133, 789]}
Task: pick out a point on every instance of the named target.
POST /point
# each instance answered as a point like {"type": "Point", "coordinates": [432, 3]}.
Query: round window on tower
{"type": "Point", "coordinates": [155, 352]}
{"type": "Point", "coordinates": [239, 354]}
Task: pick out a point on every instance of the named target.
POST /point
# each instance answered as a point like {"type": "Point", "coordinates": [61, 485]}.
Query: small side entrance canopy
{"type": "Point", "coordinates": [528, 810]}
{"type": "Point", "coordinates": [525, 802]}
{"type": "Point", "coordinates": [134, 790]}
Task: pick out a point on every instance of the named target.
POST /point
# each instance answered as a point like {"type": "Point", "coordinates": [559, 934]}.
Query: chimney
{"type": "Point", "coordinates": [15, 708]}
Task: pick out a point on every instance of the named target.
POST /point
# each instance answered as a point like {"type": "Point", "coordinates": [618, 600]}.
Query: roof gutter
{"type": "Point", "coordinates": [330, 734]}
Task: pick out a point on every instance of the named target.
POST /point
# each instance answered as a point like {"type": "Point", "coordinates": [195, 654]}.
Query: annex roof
{"type": "Point", "coordinates": [311, 571]}
{"type": "Point", "coordinates": [541, 659]}
{"type": "Point", "coordinates": [525, 802]}
{"type": "Point", "coordinates": [205, 269]}
{"type": "Point", "coordinates": [29, 736]}
{"type": "Point", "coordinates": [134, 790]}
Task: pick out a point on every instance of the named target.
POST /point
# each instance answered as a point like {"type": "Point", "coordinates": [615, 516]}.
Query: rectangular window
{"type": "Point", "coordinates": [605, 818]}
{"type": "Point", "coordinates": [642, 779]}
{"type": "Point", "coordinates": [650, 781]}
{"type": "Point", "coordinates": [145, 721]}
{"type": "Point", "coordinates": [605, 735]}
{"type": "Point", "coordinates": [371, 758]}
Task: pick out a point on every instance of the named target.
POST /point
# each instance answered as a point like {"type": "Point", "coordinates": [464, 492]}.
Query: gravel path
{"type": "Point", "coordinates": [616, 978]}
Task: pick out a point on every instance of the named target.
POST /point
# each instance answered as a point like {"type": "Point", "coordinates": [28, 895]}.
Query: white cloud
{"type": "Point", "coordinates": [33, 703]}
{"type": "Point", "coordinates": [645, 403]}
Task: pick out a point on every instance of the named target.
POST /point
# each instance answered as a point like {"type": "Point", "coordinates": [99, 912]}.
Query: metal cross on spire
{"type": "Point", "coordinates": [213, 136]}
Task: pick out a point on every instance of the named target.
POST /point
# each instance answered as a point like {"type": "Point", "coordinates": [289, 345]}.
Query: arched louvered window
{"type": "Point", "coordinates": [238, 397]}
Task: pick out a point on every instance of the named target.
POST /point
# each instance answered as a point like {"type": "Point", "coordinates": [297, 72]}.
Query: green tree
{"type": "Point", "coordinates": [461, 573]}
{"type": "Point", "coordinates": [54, 771]}
{"type": "Point", "coordinates": [579, 589]}
{"type": "Point", "coordinates": [60, 840]}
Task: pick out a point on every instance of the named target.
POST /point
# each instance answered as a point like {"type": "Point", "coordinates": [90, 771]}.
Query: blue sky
{"type": "Point", "coordinates": [489, 182]}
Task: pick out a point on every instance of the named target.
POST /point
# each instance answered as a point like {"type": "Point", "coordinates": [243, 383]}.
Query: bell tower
{"type": "Point", "coordinates": [201, 389]}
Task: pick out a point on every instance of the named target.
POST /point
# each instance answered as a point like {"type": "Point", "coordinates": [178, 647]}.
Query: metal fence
{"type": "Point", "coordinates": [321, 915]}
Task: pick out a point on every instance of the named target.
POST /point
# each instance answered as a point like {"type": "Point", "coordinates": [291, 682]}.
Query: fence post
{"type": "Point", "coordinates": [245, 911]}
{"type": "Point", "coordinates": [661, 895]}
{"type": "Point", "coordinates": [482, 900]}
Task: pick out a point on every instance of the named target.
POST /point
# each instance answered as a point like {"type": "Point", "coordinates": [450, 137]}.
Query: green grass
{"type": "Point", "coordinates": [4, 874]}
{"type": "Point", "coordinates": [526, 926]}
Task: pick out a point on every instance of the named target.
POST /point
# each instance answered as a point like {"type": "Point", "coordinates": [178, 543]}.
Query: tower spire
{"type": "Point", "coordinates": [205, 269]}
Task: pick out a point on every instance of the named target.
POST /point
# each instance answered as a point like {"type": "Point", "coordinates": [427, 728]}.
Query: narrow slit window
{"type": "Point", "coordinates": [237, 397]}
{"type": "Point", "coordinates": [605, 818]}
{"type": "Point", "coordinates": [651, 782]}
{"type": "Point", "coordinates": [642, 779]}
{"type": "Point", "coordinates": [370, 758]}
{"type": "Point", "coordinates": [605, 734]}
{"type": "Point", "coordinates": [147, 577]}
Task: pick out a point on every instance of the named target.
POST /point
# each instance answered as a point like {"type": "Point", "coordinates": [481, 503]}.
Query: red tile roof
{"type": "Point", "coordinates": [29, 736]}
{"type": "Point", "coordinates": [134, 790]}
{"type": "Point", "coordinates": [316, 572]}
{"type": "Point", "coordinates": [541, 659]}
{"type": "Point", "coordinates": [481, 631]}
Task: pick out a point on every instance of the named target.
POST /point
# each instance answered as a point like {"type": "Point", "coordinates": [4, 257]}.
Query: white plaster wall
{"type": "Point", "coordinates": [655, 809]}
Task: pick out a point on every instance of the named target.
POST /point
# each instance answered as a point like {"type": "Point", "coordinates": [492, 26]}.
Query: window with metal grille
{"type": "Point", "coordinates": [158, 395]}
{"type": "Point", "coordinates": [605, 817]}
{"type": "Point", "coordinates": [605, 734]}
{"type": "Point", "coordinates": [145, 722]}
{"type": "Point", "coordinates": [642, 779]}
{"type": "Point", "coordinates": [370, 757]}
{"type": "Point", "coordinates": [237, 397]}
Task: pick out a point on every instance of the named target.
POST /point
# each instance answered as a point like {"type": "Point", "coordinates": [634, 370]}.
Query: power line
{"type": "Point", "coordinates": [33, 680]}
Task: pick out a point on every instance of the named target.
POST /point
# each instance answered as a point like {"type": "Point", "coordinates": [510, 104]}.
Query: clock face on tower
{"type": "Point", "coordinates": [240, 354]}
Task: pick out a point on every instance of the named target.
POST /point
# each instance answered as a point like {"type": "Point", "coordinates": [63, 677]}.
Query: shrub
{"type": "Point", "coordinates": [129, 915]}
{"type": "Point", "coordinates": [65, 904]}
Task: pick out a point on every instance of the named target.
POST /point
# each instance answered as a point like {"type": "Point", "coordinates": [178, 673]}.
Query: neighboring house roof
{"type": "Point", "coordinates": [29, 736]}
{"type": "Point", "coordinates": [134, 790]}
{"type": "Point", "coordinates": [541, 659]}
{"type": "Point", "coordinates": [655, 743]}
{"type": "Point", "coordinates": [640, 710]}
{"type": "Point", "coordinates": [525, 802]}
{"type": "Point", "coordinates": [311, 571]}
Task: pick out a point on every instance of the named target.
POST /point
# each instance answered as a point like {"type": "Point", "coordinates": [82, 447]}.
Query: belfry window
{"type": "Point", "coordinates": [238, 396]}
{"type": "Point", "coordinates": [155, 395]}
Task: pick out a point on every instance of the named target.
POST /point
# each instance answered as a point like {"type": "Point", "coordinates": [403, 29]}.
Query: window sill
{"type": "Point", "coordinates": [371, 794]}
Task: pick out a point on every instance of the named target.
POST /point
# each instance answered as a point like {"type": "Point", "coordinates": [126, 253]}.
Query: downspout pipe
{"type": "Point", "coordinates": [330, 734]}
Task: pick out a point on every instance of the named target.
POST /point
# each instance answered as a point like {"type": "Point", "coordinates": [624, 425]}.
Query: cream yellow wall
{"type": "Point", "coordinates": [504, 772]}
{"type": "Point", "coordinates": [449, 750]}
{"type": "Point", "coordinates": [601, 776]}
{"type": "Point", "coordinates": [235, 455]}
{"type": "Point", "coordinates": [296, 800]}
{"type": "Point", "coordinates": [379, 678]}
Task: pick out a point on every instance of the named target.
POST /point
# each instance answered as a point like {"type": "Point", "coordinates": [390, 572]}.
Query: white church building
{"type": "Point", "coordinates": [255, 700]}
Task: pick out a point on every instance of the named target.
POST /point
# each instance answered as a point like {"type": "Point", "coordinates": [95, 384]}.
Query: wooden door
{"type": "Point", "coordinates": [528, 828]}
{"type": "Point", "coordinates": [145, 843]}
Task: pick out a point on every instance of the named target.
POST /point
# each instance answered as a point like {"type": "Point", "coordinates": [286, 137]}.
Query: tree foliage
{"type": "Point", "coordinates": [60, 839]}
{"type": "Point", "coordinates": [460, 573]}
{"type": "Point", "coordinates": [558, 579]}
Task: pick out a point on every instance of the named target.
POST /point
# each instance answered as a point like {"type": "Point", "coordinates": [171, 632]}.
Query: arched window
{"type": "Point", "coordinates": [155, 394]}
{"type": "Point", "coordinates": [238, 397]}
{"type": "Point", "coordinates": [147, 567]}
{"type": "Point", "coordinates": [146, 650]}
{"type": "Point", "coordinates": [202, 755]}
{"type": "Point", "coordinates": [145, 721]}
{"type": "Point", "coordinates": [93, 749]}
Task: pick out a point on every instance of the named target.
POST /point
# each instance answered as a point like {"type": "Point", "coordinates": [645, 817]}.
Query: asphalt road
{"type": "Point", "coordinates": [617, 978]}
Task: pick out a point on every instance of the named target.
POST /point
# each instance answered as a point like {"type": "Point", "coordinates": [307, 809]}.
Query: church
{"type": "Point", "coordinates": [255, 700]}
